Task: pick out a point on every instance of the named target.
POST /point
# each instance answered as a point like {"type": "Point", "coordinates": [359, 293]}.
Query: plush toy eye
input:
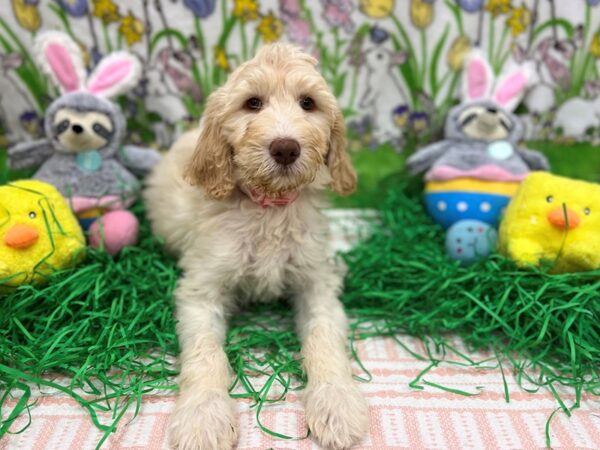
{"type": "Point", "coordinates": [550, 199]}
{"type": "Point", "coordinates": [254, 103]}
{"type": "Point", "coordinates": [587, 211]}
{"type": "Point", "coordinates": [62, 126]}
{"type": "Point", "coordinates": [100, 130]}
{"type": "Point", "coordinates": [32, 215]}
{"type": "Point", "coordinates": [307, 104]}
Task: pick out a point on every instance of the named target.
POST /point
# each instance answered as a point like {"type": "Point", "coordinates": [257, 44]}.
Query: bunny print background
{"type": "Point", "coordinates": [403, 56]}
{"type": "Point", "coordinates": [395, 66]}
{"type": "Point", "coordinates": [472, 173]}
{"type": "Point", "coordinates": [82, 153]}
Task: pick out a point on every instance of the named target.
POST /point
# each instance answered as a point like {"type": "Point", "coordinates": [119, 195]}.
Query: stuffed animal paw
{"type": "Point", "coordinates": [555, 220]}
{"type": "Point", "coordinates": [38, 233]}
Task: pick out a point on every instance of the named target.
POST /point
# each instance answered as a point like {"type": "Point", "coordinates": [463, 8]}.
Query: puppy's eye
{"type": "Point", "coordinates": [32, 215]}
{"type": "Point", "coordinates": [549, 199]}
{"type": "Point", "coordinates": [254, 104]}
{"type": "Point", "coordinates": [587, 211]}
{"type": "Point", "coordinates": [307, 104]}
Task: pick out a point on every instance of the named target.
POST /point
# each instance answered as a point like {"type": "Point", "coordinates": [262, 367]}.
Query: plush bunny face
{"type": "Point", "coordinates": [483, 121]}
{"type": "Point", "coordinates": [485, 113]}
{"type": "Point", "coordinates": [83, 119]}
{"type": "Point", "coordinates": [79, 122]}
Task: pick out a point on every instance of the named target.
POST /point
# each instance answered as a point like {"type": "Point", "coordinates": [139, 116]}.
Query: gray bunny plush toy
{"type": "Point", "coordinates": [82, 154]}
{"type": "Point", "coordinates": [472, 174]}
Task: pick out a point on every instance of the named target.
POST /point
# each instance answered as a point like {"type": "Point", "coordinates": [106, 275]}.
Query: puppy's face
{"type": "Point", "coordinates": [273, 127]}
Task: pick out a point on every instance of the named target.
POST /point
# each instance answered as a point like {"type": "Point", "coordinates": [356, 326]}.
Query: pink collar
{"type": "Point", "coordinates": [264, 201]}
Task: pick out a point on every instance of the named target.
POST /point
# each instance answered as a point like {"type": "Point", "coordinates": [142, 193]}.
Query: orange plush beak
{"type": "Point", "coordinates": [21, 236]}
{"type": "Point", "coordinates": [558, 218]}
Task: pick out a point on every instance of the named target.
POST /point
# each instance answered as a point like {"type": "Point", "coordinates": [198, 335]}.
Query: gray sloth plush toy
{"type": "Point", "coordinates": [472, 174]}
{"type": "Point", "coordinates": [82, 154]}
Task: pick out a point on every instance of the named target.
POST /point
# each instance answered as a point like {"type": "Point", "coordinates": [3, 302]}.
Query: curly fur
{"type": "Point", "coordinates": [232, 249]}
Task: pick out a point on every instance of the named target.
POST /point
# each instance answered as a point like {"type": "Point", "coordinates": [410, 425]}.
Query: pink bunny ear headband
{"type": "Point", "coordinates": [60, 57]}
{"type": "Point", "coordinates": [478, 83]}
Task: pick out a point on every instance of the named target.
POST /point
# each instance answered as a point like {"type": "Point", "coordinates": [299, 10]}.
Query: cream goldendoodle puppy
{"type": "Point", "coordinates": [238, 200]}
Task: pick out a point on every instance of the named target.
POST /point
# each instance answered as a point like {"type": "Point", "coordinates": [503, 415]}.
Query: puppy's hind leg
{"type": "Point", "coordinates": [336, 411]}
{"type": "Point", "coordinates": [204, 416]}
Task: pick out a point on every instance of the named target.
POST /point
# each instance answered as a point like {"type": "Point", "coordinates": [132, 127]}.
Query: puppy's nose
{"type": "Point", "coordinates": [77, 129]}
{"type": "Point", "coordinates": [284, 151]}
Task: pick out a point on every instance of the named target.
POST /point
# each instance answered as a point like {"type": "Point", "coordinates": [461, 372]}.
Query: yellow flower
{"type": "Point", "coordinates": [497, 7]}
{"type": "Point", "coordinates": [106, 10]}
{"type": "Point", "coordinates": [221, 58]}
{"type": "Point", "coordinates": [421, 13]}
{"type": "Point", "coordinates": [457, 52]}
{"type": "Point", "coordinates": [401, 120]}
{"type": "Point", "coordinates": [246, 10]}
{"type": "Point", "coordinates": [377, 9]}
{"type": "Point", "coordinates": [419, 125]}
{"type": "Point", "coordinates": [131, 28]}
{"type": "Point", "coordinates": [270, 28]}
{"type": "Point", "coordinates": [595, 46]}
{"type": "Point", "coordinates": [27, 15]}
{"type": "Point", "coordinates": [519, 20]}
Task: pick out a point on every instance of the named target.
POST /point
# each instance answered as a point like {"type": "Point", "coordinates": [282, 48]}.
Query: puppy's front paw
{"type": "Point", "coordinates": [337, 415]}
{"type": "Point", "coordinates": [205, 421]}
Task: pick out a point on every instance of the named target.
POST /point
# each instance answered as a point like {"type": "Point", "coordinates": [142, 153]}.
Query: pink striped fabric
{"type": "Point", "coordinates": [401, 417]}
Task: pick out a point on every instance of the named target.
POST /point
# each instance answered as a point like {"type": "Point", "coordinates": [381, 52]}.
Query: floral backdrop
{"type": "Point", "coordinates": [394, 64]}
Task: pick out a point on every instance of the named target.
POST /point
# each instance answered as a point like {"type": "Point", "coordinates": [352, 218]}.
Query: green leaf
{"type": "Point", "coordinates": [407, 74]}
{"type": "Point", "coordinates": [558, 22]}
{"type": "Point", "coordinates": [340, 82]}
{"type": "Point", "coordinates": [437, 51]}
{"type": "Point", "coordinates": [62, 16]}
{"type": "Point", "coordinates": [456, 12]}
{"type": "Point", "coordinates": [165, 33]}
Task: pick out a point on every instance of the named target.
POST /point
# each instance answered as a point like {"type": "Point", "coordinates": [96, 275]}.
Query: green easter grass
{"type": "Point", "coordinates": [108, 325]}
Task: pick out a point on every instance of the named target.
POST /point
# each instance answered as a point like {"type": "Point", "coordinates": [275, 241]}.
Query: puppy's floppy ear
{"type": "Point", "coordinates": [211, 166]}
{"type": "Point", "coordinates": [343, 176]}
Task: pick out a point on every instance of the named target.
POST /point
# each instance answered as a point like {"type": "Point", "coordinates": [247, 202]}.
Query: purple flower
{"type": "Point", "coordinates": [32, 123]}
{"type": "Point", "coordinates": [337, 14]}
{"type": "Point", "coordinates": [362, 126]}
{"type": "Point", "coordinates": [419, 121]}
{"type": "Point", "coordinates": [96, 56]}
{"type": "Point", "coordinates": [400, 115]}
{"type": "Point", "coordinates": [400, 110]}
{"type": "Point", "coordinates": [28, 116]}
{"type": "Point", "coordinates": [472, 6]}
{"type": "Point", "coordinates": [378, 35]}
{"type": "Point", "coordinates": [201, 8]}
{"type": "Point", "coordinates": [298, 30]}
{"type": "Point", "coordinates": [290, 7]}
{"type": "Point", "coordinates": [75, 8]}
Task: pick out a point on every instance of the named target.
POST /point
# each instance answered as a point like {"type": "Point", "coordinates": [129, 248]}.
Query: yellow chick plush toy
{"type": "Point", "coordinates": [556, 220]}
{"type": "Point", "coordinates": [38, 233]}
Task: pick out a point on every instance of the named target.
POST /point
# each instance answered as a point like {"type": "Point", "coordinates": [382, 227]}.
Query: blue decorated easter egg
{"type": "Point", "coordinates": [469, 241]}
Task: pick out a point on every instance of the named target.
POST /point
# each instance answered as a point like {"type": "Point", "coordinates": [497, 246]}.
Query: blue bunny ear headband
{"type": "Point", "coordinates": [478, 82]}
{"type": "Point", "coordinates": [60, 57]}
